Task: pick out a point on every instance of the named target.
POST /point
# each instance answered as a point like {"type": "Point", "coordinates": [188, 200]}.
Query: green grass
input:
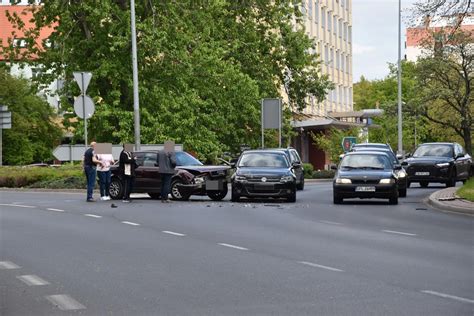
{"type": "Point", "coordinates": [39, 177]}
{"type": "Point", "coordinates": [467, 190]}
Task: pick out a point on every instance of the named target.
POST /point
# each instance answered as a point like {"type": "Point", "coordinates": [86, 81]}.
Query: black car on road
{"type": "Point", "coordinates": [439, 163]}
{"type": "Point", "coordinates": [191, 178]}
{"type": "Point", "coordinates": [365, 174]}
{"type": "Point", "coordinates": [263, 173]}
{"type": "Point", "coordinates": [297, 164]}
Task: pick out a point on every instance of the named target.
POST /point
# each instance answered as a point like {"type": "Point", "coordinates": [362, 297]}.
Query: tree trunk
{"type": "Point", "coordinates": [467, 140]}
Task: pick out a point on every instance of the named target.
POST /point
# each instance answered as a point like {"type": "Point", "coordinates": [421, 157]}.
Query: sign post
{"type": "Point", "coordinates": [83, 106]}
{"type": "Point", "coordinates": [271, 117]}
{"type": "Point", "coordinates": [347, 143]}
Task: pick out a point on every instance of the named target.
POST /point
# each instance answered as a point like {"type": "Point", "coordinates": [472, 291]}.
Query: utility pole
{"type": "Point", "coordinates": [400, 135]}
{"type": "Point", "coordinates": [136, 104]}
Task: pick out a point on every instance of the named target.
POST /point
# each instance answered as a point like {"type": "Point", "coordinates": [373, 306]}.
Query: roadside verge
{"type": "Point", "coordinates": [447, 200]}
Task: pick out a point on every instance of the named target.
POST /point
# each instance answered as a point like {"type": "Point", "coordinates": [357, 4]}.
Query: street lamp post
{"type": "Point", "coordinates": [400, 136]}
{"type": "Point", "coordinates": [136, 104]}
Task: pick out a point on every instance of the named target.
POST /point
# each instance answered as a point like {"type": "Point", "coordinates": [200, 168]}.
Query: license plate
{"type": "Point", "coordinates": [365, 189]}
{"type": "Point", "coordinates": [422, 173]}
{"type": "Point", "coordinates": [265, 186]}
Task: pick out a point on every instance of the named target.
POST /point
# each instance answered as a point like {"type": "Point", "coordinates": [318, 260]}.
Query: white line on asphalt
{"type": "Point", "coordinates": [18, 205]}
{"type": "Point", "coordinates": [173, 233]}
{"type": "Point", "coordinates": [130, 223]}
{"type": "Point", "coordinates": [457, 298]}
{"type": "Point", "coordinates": [232, 246]}
{"type": "Point", "coordinates": [92, 215]}
{"type": "Point", "coordinates": [55, 210]}
{"type": "Point", "coordinates": [7, 265]}
{"type": "Point", "coordinates": [321, 266]}
{"type": "Point", "coordinates": [331, 223]}
{"type": "Point", "coordinates": [32, 280]}
{"type": "Point", "coordinates": [399, 233]}
{"type": "Point", "coordinates": [65, 302]}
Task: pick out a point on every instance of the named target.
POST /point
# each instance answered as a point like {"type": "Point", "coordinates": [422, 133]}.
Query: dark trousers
{"type": "Point", "coordinates": [90, 176]}
{"type": "Point", "coordinates": [104, 182]}
{"type": "Point", "coordinates": [165, 185]}
{"type": "Point", "coordinates": [128, 182]}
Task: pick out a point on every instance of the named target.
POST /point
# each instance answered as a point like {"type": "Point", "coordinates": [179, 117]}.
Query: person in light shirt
{"type": "Point", "coordinates": [103, 171]}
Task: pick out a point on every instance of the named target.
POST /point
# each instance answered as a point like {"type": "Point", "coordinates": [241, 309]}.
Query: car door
{"type": "Point", "coordinates": [462, 162]}
{"type": "Point", "coordinates": [139, 172]}
{"type": "Point", "coordinates": [151, 177]}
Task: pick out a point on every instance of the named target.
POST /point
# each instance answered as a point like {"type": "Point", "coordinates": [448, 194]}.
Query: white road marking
{"type": "Point", "coordinates": [65, 302]}
{"type": "Point", "coordinates": [130, 223]}
{"type": "Point", "coordinates": [32, 280]}
{"type": "Point", "coordinates": [232, 246]}
{"type": "Point", "coordinates": [92, 215]}
{"type": "Point", "coordinates": [55, 210]}
{"type": "Point", "coordinates": [320, 266]}
{"type": "Point", "coordinates": [173, 233]}
{"type": "Point", "coordinates": [18, 205]}
{"type": "Point", "coordinates": [457, 298]}
{"type": "Point", "coordinates": [330, 223]}
{"type": "Point", "coordinates": [399, 233]}
{"type": "Point", "coordinates": [7, 265]}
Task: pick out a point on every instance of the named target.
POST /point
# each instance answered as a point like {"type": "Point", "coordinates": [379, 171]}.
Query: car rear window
{"type": "Point", "coordinates": [434, 151]}
{"type": "Point", "coordinates": [264, 160]}
{"type": "Point", "coordinates": [365, 162]}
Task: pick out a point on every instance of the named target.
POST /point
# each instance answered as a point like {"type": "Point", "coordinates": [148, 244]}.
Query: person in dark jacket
{"type": "Point", "coordinates": [89, 163]}
{"type": "Point", "coordinates": [166, 164]}
{"type": "Point", "coordinates": [127, 166]}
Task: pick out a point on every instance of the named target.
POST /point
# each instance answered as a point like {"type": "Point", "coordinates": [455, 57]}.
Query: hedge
{"type": "Point", "coordinates": [41, 177]}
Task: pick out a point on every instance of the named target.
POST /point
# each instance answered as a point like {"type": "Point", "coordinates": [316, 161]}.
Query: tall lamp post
{"type": "Point", "coordinates": [400, 135]}
{"type": "Point", "coordinates": [136, 104]}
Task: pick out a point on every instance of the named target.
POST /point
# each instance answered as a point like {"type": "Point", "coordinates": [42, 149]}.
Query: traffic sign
{"type": "Point", "coordinates": [5, 115]}
{"type": "Point", "coordinates": [347, 143]}
{"type": "Point", "coordinates": [83, 104]}
{"type": "Point", "coordinates": [83, 79]}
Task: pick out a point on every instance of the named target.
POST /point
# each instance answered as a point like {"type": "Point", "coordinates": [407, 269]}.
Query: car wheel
{"type": "Point", "coordinates": [424, 184]}
{"type": "Point", "coordinates": [292, 197]}
{"type": "Point", "coordinates": [218, 195]}
{"type": "Point", "coordinates": [337, 199]}
{"type": "Point", "coordinates": [452, 180]}
{"type": "Point", "coordinates": [175, 194]}
{"type": "Point", "coordinates": [116, 189]}
{"type": "Point", "coordinates": [300, 186]}
{"type": "Point", "coordinates": [402, 192]}
{"type": "Point", "coordinates": [155, 196]}
{"type": "Point", "coordinates": [408, 184]}
{"type": "Point", "coordinates": [393, 200]}
{"type": "Point", "coordinates": [234, 196]}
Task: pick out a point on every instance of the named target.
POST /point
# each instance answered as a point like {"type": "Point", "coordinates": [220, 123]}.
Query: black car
{"type": "Point", "coordinates": [191, 178]}
{"type": "Point", "coordinates": [397, 169]}
{"type": "Point", "coordinates": [295, 161]}
{"type": "Point", "coordinates": [365, 174]}
{"type": "Point", "coordinates": [263, 173]}
{"type": "Point", "coordinates": [438, 162]}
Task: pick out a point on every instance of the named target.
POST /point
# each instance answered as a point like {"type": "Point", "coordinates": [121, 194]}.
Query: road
{"type": "Point", "coordinates": [63, 256]}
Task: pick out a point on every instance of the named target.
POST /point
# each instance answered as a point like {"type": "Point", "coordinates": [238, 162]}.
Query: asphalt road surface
{"type": "Point", "coordinates": [62, 256]}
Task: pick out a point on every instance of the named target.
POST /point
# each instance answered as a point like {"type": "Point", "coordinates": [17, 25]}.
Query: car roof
{"type": "Point", "coordinates": [258, 151]}
{"type": "Point", "coordinates": [368, 152]}
{"type": "Point", "coordinates": [381, 145]}
{"type": "Point", "coordinates": [434, 143]}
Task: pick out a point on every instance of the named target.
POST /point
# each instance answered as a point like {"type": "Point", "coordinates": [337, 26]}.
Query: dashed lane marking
{"type": "Point", "coordinates": [8, 265]}
{"type": "Point", "coordinates": [18, 205]}
{"type": "Point", "coordinates": [32, 280]}
{"type": "Point", "coordinates": [232, 246]}
{"type": "Point", "coordinates": [330, 223]}
{"type": "Point", "coordinates": [92, 215]}
{"type": "Point", "coordinates": [453, 297]}
{"type": "Point", "coordinates": [130, 223]}
{"type": "Point", "coordinates": [65, 302]}
{"type": "Point", "coordinates": [314, 265]}
{"type": "Point", "coordinates": [173, 233]}
{"type": "Point", "coordinates": [398, 233]}
{"type": "Point", "coordinates": [55, 210]}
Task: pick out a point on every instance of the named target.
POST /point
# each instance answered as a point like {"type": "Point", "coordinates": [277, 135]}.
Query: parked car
{"type": "Point", "coordinates": [263, 173]}
{"type": "Point", "coordinates": [191, 178]}
{"type": "Point", "coordinates": [440, 163]}
{"type": "Point", "coordinates": [397, 168]}
{"type": "Point", "coordinates": [365, 174]}
{"type": "Point", "coordinates": [295, 161]}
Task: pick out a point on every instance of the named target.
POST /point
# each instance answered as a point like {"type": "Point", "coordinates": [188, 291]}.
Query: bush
{"type": "Point", "coordinates": [308, 170]}
{"type": "Point", "coordinates": [18, 177]}
{"type": "Point", "coordinates": [467, 190]}
{"type": "Point", "coordinates": [324, 174]}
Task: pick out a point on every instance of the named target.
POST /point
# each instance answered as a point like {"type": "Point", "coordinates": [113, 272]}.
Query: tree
{"type": "Point", "coordinates": [331, 141]}
{"type": "Point", "coordinates": [34, 132]}
{"type": "Point", "coordinates": [203, 68]}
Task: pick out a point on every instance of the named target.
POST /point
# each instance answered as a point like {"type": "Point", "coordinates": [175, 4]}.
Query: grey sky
{"type": "Point", "coordinates": [374, 36]}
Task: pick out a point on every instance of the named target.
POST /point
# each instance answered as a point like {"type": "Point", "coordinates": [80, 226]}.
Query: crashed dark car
{"type": "Point", "coordinates": [191, 178]}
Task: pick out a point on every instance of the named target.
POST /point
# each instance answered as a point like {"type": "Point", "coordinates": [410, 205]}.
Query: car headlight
{"type": "Point", "coordinates": [442, 165]}
{"type": "Point", "coordinates": [199, 180]}
{"type": "Point", "coordinates": [402, 174]}
{"type": "Point", "coordinates": [240, 178]}
{"type": "Point", "coordinates": [386, 181]}
{"type": "Point", "coordinates": [343, 181]}
{"type": "Point", "coordinates": [286, 179]}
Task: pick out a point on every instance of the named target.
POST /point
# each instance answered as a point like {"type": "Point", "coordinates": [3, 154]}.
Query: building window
{"type": "Point", "coordinates": [335, 25]}
{"type": "Point", "coordinates": [343, 59]}
{"type": "Point", "coordinates": [329, 21]}
{"type": "Point", "coordinates": [326, 54]}
{"type": "Point", "coordinates": [337, 59]}
{"type": "Point", "coordinates": [316, 12]}
{"type": "Point", "coordinates": [19, 42]}
{"type": "Point", "coordinates": [323, 17]}
{"type": "Point", "coordinates": [340, 28]}
{"type": "Point", "coordinates": [349, 31]}
{"type": "Point", "coordinates": [310, 9]}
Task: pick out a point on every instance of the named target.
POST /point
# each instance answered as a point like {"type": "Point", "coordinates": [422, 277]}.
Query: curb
{"type": "Point", "coordinates": [449, 205]}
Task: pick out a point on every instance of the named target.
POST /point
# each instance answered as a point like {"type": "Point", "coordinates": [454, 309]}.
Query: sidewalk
{"type": "Point", "coordinates": [447, 200]}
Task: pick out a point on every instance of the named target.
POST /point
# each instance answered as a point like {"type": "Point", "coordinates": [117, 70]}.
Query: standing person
{"type": "Point", "coordinates": [166, 165]}
{"type": "Point", "coordinates": [89, 163]}
{"type": "Point", "coordinates": [127, 166]}
{"type": "Point", "coordinates": [103, 171]}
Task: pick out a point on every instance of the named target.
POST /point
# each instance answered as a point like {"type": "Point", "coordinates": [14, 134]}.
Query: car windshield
{"type": "Point", "coordinates": [434, 151]}
{"type": "Point", "coordinates": [264, 160]}
{"type": "Point", "coordinates": [365, 162]}
{"type": "Point", "coordinates": [185, 159]}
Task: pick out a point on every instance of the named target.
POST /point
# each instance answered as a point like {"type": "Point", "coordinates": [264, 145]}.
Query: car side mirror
{"type": "Point", "coordinates": [295, 164]}
{"type": "Point", "coordinates": [404, 163]}
{"type": "Point", "coordinates": [333, 167]}
{"type": "Point", "coordinates": [408, 155]}
{"type": "Point", "coordinates": [397, 167]}
{"type": "Point", "coordinates": [399, 156]}
{"type": "Point", "coordinates": [459, 156]}
{"type": "Point", "coordinates": [232, 164]}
